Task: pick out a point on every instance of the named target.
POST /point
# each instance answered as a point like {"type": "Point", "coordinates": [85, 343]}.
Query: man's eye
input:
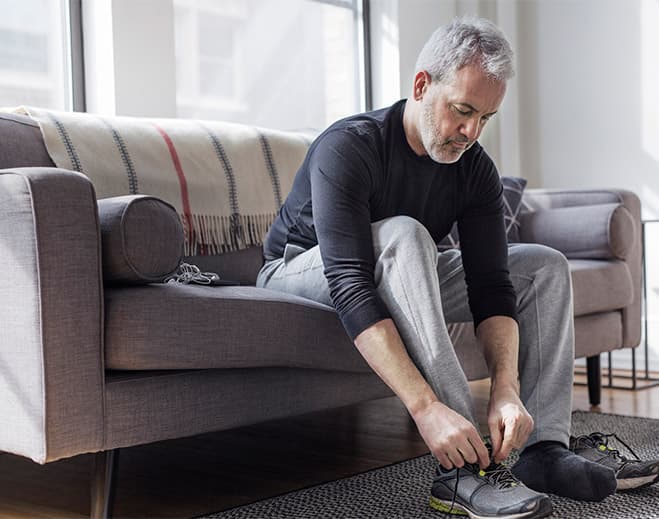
{"type": "Point", "coordinates": [462, 112]}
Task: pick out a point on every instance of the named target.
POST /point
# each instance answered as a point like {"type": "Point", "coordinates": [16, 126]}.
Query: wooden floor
{"type": "Point", "coordinates": [211, 472]}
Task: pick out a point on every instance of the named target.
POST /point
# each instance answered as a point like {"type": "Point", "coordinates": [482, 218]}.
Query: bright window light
{"type": "Point", "coordinates": [34, 58]}
{"type": "Point", "coordinates": [290, 64]}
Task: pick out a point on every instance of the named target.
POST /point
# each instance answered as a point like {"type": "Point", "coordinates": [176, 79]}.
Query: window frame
{"type": "Point", "coordinates": [75, 47]}
{"type": "Point", "coordinates": [361, 8]}
{"type": "Point", "coordinates": [77, 98]}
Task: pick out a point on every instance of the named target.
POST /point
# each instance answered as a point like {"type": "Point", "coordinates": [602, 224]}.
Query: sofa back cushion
{"type": "Point", "coordinates": [21, 144]}
{"type": "Point", "coordinates": [142, 239]}
{"type": "Point", "coordinates": [240, 266]}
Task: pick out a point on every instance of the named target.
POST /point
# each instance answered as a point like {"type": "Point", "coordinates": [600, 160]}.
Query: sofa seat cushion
{"type": "Point", "coordinates": [600, 286]}
{"type": "Point", "coordinates": [171, 326]}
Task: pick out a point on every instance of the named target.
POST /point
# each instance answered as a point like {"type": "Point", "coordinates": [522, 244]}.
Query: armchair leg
{"type": "Point", "coordinates": [594, 372]}
{"type": "Point", "coordinates": [103, 484]}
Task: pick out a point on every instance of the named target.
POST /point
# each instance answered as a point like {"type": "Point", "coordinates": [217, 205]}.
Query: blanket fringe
{"type": "Point", "coordinates": [211, 234]}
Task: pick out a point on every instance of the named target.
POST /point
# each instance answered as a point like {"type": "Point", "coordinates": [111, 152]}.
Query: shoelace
{"type": "Point", "coordinates": [495, 473]}
{"type": "Point", "coordinates": [188, 273]}
{"type": "Point", "coordinates": [600, 441]}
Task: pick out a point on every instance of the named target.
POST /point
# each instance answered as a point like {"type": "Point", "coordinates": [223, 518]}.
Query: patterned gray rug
{"type": "Point", "coordinates": [400, 491]}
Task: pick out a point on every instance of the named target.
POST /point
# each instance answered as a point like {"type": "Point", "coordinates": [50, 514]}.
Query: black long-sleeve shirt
{"type": "Point", "coordinates": [361, 170]}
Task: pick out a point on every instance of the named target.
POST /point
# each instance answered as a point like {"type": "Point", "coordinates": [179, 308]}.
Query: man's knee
{"type": "Point", "coordinates": [531, 258]}
{"type": "Point", "coordinates": [402, 235]}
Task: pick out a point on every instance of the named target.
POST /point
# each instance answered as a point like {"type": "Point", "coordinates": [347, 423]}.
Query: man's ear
{"type": "Point", "coordinates": [422, 82]}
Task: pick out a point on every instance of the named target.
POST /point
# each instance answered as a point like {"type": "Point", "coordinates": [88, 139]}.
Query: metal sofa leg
{"type": "Point", "coordinates": [594, 372]}
{"type": "Point", "coordinates": [103, 484]}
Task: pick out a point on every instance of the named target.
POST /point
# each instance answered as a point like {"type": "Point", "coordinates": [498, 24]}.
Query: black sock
{"type": "Point", "coordinates": [550, 467]}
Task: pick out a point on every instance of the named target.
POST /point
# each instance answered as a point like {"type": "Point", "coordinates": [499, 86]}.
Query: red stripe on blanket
{"type": "Point", "coordinates": [185, 198]}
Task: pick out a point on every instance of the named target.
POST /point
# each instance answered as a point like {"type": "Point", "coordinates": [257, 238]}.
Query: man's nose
{"type": "Point", "coordinates": [470, 129]}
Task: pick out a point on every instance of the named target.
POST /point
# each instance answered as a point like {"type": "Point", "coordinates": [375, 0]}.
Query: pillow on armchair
{"type": "Point", "coordinates": [513, 190]}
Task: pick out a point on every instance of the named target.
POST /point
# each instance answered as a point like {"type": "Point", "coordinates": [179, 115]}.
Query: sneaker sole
{"type": "Point", "coordinates": [445, 507]}
{"type": "Point", "coordinates": [634, 483]}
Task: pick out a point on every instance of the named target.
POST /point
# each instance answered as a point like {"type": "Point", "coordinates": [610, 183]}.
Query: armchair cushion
{"type": "Point", "coordinates": [600, 286]}
{"type": "Point", "coordinates": [142, 239]}
{"type": "Point", "coordinates": [601, 231]}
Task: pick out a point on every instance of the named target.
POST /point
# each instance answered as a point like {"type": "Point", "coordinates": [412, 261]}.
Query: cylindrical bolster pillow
{"type": "Point", "coordinates": [600, 231]}
{"type": "Point", "coordinates": [142, 239]}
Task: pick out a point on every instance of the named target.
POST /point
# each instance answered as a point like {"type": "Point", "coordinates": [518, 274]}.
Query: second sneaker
{"type": "Point", "coordinates": [630, 473]}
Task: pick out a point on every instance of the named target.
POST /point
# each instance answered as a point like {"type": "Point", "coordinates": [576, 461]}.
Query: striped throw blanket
{"type": "Point", "coordinates": [226, 180]}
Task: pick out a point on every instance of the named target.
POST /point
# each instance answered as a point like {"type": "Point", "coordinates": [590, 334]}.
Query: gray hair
{"type": "Point", "coordinates": [466, 41]}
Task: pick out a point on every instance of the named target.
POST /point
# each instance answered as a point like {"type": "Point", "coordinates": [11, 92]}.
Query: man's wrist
{"type": "Point", "coordinates": [420, 403]}
{"type": "Point", "coordinates": [504, 382]}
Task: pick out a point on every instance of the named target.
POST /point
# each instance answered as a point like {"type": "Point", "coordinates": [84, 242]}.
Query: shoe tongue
{"type": "Point", "coordinates": [499, 475]}
{"type": "Point", "coordinates": [596, 440]}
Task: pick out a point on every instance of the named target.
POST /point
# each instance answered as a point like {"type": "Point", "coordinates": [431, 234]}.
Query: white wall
{"type": "Point", "coordinates": [586, 65]}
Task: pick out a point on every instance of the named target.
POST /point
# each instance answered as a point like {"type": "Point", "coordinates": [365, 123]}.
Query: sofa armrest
{"type": "Point", "coordinates": [51, 315]}
{"type": "Point", "coordinates": [538, 199]}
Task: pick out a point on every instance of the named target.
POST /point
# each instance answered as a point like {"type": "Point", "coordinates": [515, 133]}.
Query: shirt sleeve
{"type": "Point", "coordinates": [484, 244]}
{"type": "Point", "coordinates": [342, 173]}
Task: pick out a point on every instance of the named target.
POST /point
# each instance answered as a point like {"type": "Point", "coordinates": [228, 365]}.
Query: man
{"type": "Point", "coordinates": [358, 231]}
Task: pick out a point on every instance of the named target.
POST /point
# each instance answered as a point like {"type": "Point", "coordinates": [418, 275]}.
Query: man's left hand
{"type": "Point", "coordinates": [509, 422]}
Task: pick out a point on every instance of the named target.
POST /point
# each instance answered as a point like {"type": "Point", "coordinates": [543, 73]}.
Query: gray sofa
{"type": "Point", "coordinates": [91, 367]}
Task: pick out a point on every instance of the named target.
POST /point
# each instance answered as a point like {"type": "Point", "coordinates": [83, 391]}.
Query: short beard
{"type": "Point", "coordinates": [427, 127]}
{"type": "Point", "coordinates": [433, 143]}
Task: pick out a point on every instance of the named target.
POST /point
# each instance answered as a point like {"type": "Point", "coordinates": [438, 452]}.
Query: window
{"type": "Point", "coordinates": [34, 62]}
{"type": "Point", "coordinates": [291, 64]}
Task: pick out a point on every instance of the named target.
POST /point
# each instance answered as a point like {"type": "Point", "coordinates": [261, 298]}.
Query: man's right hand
{"type": "Point", "coordinates": [451, 438]}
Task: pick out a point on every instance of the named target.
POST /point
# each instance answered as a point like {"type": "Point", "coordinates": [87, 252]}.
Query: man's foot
{"type": "Point", "coordinates": [494, 492]}
{"type": "Point", "coordinates": [629, 473]}
{"type": "Point", "coordinates": [550, 467]}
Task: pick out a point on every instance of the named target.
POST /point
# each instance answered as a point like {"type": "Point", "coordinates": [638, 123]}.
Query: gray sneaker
{"type": "Point", "coordinates": [493, 492]}
{"type": "Point", "coordinates": [630, 473]}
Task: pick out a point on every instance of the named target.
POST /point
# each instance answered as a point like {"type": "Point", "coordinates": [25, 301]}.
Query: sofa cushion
{"type": "Point", "coordinates": [600, 286]}
{"type": "Point", "coordinates": [142, 239]}
{"type": "Point", "coordinates": [242, 266]}
{"type": "Point", "coordinates": [598, 231]}
{"type": "Point", "coordinates": [513, 191]}
{"type": "Point", "coordinates": [171, 326]}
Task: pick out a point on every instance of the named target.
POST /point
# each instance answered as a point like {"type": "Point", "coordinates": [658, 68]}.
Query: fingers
{"type": "Point", "coordinates": [461, 453]}
{"type": "Point", "coordinates": [451, 438]}
{"type": "Point", "coordinates": [509, 442]}
{"type": "Point", "coordinates": [495, 437]}
{"type": "Point", "coordinates": [523, 432]}
{"type": "Point", "coordinates": [444, 460]}
{"type": "Point", "coordinates": [450, 458]}
{"type": "Point", "coordinates": [467, 447]}
{"type": "Point", "coordinates": [483, 457]}
{"type": "Point", "coordinates": [515, 434]}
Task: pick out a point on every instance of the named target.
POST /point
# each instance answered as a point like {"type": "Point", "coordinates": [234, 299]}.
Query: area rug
{"type": "Point", "coordinates": [400, 491]}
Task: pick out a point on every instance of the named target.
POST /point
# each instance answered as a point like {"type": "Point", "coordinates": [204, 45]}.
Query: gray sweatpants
{"type": "Point", "coordinates": [424, 290]}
